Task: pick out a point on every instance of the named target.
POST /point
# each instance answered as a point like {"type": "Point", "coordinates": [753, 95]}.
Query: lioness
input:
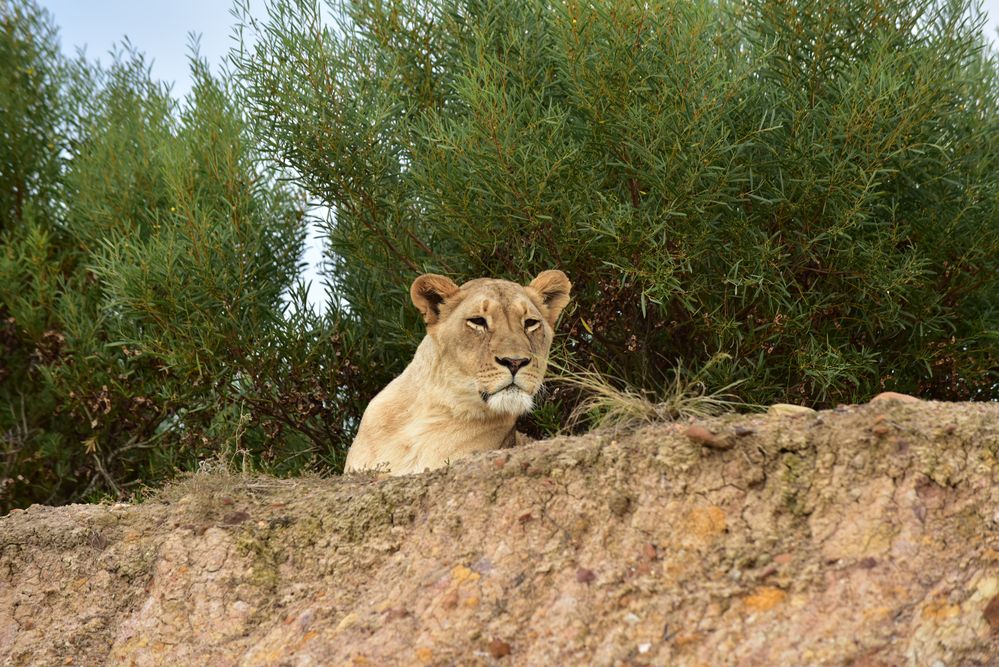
{"type": "Point", "coordinates": [476, 370]}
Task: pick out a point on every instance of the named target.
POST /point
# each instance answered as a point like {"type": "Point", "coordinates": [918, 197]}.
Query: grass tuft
{"type": "Point", "coordinates": [609, 402]}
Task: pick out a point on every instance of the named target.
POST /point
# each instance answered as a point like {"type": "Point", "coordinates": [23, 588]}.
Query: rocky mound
{"type": "Point", "coordinates": [866, 535]}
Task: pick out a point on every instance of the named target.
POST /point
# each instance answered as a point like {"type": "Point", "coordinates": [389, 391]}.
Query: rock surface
{"type": "Point", "coordinates": [866, 536]}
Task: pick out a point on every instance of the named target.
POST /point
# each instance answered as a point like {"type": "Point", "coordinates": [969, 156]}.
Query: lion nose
{"type": "Point", "coordinates": [514, 364]}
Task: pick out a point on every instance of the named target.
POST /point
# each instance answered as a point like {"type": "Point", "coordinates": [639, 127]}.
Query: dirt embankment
{"type": "Point", "coordinates": [867, 536]}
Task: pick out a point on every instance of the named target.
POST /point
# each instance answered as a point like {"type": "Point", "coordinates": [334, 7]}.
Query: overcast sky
{"type": "Point", "coordinates": [160, 29]}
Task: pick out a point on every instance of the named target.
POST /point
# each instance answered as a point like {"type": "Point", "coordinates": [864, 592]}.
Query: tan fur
{"type": "Point", "coordinates": [456, 397]}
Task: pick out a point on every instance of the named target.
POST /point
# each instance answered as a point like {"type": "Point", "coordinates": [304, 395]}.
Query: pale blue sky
{"type": "Point", "coordinates": [160, 28]}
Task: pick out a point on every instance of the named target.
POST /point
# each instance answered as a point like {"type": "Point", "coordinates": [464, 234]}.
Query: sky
{"type": "Point", "coordinates": [161, 29]}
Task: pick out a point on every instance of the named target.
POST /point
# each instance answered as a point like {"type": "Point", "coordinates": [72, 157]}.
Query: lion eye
{"type": "Point", "coordinates": [477, 322]}
{"type": "Point", "coordinates": [531, 325]}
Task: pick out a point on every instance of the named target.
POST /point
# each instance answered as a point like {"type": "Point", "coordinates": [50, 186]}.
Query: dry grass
{"type": "Point", "coordinates": [610, 403]}
{"type": "Point", "coordinates": [230, 469]}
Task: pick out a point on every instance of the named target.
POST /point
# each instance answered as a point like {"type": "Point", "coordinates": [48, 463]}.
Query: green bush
{"type": "Point", "coordinates": [808, 187]}
{"type": "Point", "coordinates": [149, 317]}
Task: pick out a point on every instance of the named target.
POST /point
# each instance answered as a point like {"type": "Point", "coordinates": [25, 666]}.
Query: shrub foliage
{"type": "Point", "coordinates": [807, 187]}
{"type": "Point", "coordinates": [145, 270]}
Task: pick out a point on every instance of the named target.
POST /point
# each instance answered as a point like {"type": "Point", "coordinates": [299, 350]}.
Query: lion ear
{"type": "Point", "coordinates": [428, 292]}
{"type": "Point", "coordinates": [554, 288]}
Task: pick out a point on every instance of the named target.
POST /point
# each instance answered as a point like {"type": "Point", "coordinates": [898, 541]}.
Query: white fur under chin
{"type": "Point", "coordinates": [511, 401]}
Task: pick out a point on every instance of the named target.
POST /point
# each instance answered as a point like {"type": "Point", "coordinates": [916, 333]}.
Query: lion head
{"type": "Point", "coordinates": [492, 337]}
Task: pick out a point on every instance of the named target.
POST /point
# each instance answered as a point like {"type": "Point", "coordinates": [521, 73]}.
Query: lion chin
{"type": "Point", "coordinates": [510, 401]}
{"type": "Point", "coordinates": [478, 368]}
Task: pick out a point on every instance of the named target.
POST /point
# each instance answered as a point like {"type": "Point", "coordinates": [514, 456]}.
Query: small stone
{"type": "Point", "coordinates": [895, 396]}
{"type": "Point", "coordinates": [585, 576]}
{"type": "Point", "coordinates": [881, 430]}
{"type": "Point", "coordinates": [500, 461]}
{"type": "Point", "coordinates": [227, 501]}
{"type": "Point", "coordinates": [632, 618]}
{"type": "Point", "coordinates": [619, 504]}
{"type": "Point", "coordinates": [700, 434]}
{"type": "Point", "coordinates": [789, 409]}
{"type": "Point", "coordinates": [396, 613]}
{"type": "Point", "coordinates": [525, 518]}
{"type": "Point", "coordinates": [868, 562]}
{"type": "Point", "coordinates": [450, 600]}
{"type": "Point", "coordinates": [235, 518]}
{"type": "Point", "coordinates": [991, 613]}
{"type": "Point", "coordinates": [644, 648]}
{"type": "Point", "coordinates": [743, 431]}
{"type": "Point", "coordinates": [649, 551]}
{"type": "Point", "coordinates": [483, 566]}
{"type": "Point", "coordinates": [499, 648]}
{"type": "Point", "coordinates": [703, 436]}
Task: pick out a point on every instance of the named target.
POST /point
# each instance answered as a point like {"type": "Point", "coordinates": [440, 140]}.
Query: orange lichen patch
{"type": "Point", "coordinates": [877, 612]}
{"type": "Point", "coordinates": [461, 574]}
{"type": "Point", "coordinates": [765, 598]}
{"type": "Point", "coordinates": [681, 641]}
{"type": "Point", "coordinates": [424, 655]}
{"type": "Point", "coordinates": [705, 522]}
{"type": "Point", "coordinates": [472, 601]}
{"type": "Point", "coordinates": [940, 610]}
